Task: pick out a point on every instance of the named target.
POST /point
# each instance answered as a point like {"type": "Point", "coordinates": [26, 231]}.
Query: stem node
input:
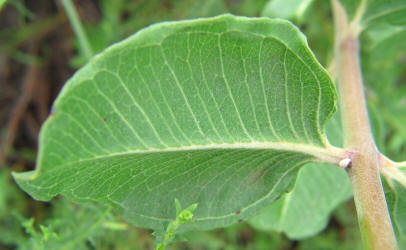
{"type": "Point", "coordinates": [373, 215]}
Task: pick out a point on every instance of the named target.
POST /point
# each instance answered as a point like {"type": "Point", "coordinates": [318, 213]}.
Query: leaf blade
{"type": "Point", "coordinates": [190, 85]}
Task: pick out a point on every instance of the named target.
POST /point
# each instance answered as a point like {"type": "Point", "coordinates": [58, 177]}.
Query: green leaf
{"type": "Point", "coordinates": [378, 11]}
{"type": "Point", "coordinates": [288, 9]}
{"type": "Point", "coordinates": [396, 197]}
{"type": "Point", "coordinates": [384, 11]}
{"type": "Point", "coordinates": [304, 212]}
{"type": "Point", "coordinates": [2, 4]}
{"type": "Point", "coordinates": [319, 189]}
{"type": "Point", "coordinates": [383, 53]}
{"type": "Point", "coordinates": [182, 217]}
{"type": "Point", "coordinates": [220, 111]}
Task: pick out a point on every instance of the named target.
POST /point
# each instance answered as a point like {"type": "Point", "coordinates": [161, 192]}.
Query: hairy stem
{"type": "Point", "coordinates": [78, 28]}
{"type": "Point", "coordinates": [373, 216]}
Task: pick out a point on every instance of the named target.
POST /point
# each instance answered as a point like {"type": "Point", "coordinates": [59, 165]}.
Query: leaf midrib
{"type": "Point", "coordinates": [329, 154]}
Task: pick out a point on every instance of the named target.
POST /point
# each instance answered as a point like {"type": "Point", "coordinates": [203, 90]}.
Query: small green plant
{"type": "Point", "coordinates": [182, 217]}
{"type": "Point", "coordinates": [223, 112]}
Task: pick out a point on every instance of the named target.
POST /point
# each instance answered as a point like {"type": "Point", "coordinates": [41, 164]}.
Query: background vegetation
{"type": "Point", "coordinates": [39, 52]}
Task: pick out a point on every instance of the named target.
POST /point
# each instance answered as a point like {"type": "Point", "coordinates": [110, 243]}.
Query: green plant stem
{"type": "Point", "coordinates": [394, 174]}
{"type": "Point", "coordinates": [388, 163]}
{"type": "Point", "coordinates": [78, 28]}
{"type": "Point", "coordinates": [373, 215]}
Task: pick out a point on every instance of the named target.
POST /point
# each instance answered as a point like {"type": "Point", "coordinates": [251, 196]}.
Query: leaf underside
{"type": "Point", "coordinates": [186, 110]}
{"type": "Point", "coordinates": [319, 189]}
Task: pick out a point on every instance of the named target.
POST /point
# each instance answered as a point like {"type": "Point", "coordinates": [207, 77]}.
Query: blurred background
{"type": "Point", "coordinates": [39, 52]}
